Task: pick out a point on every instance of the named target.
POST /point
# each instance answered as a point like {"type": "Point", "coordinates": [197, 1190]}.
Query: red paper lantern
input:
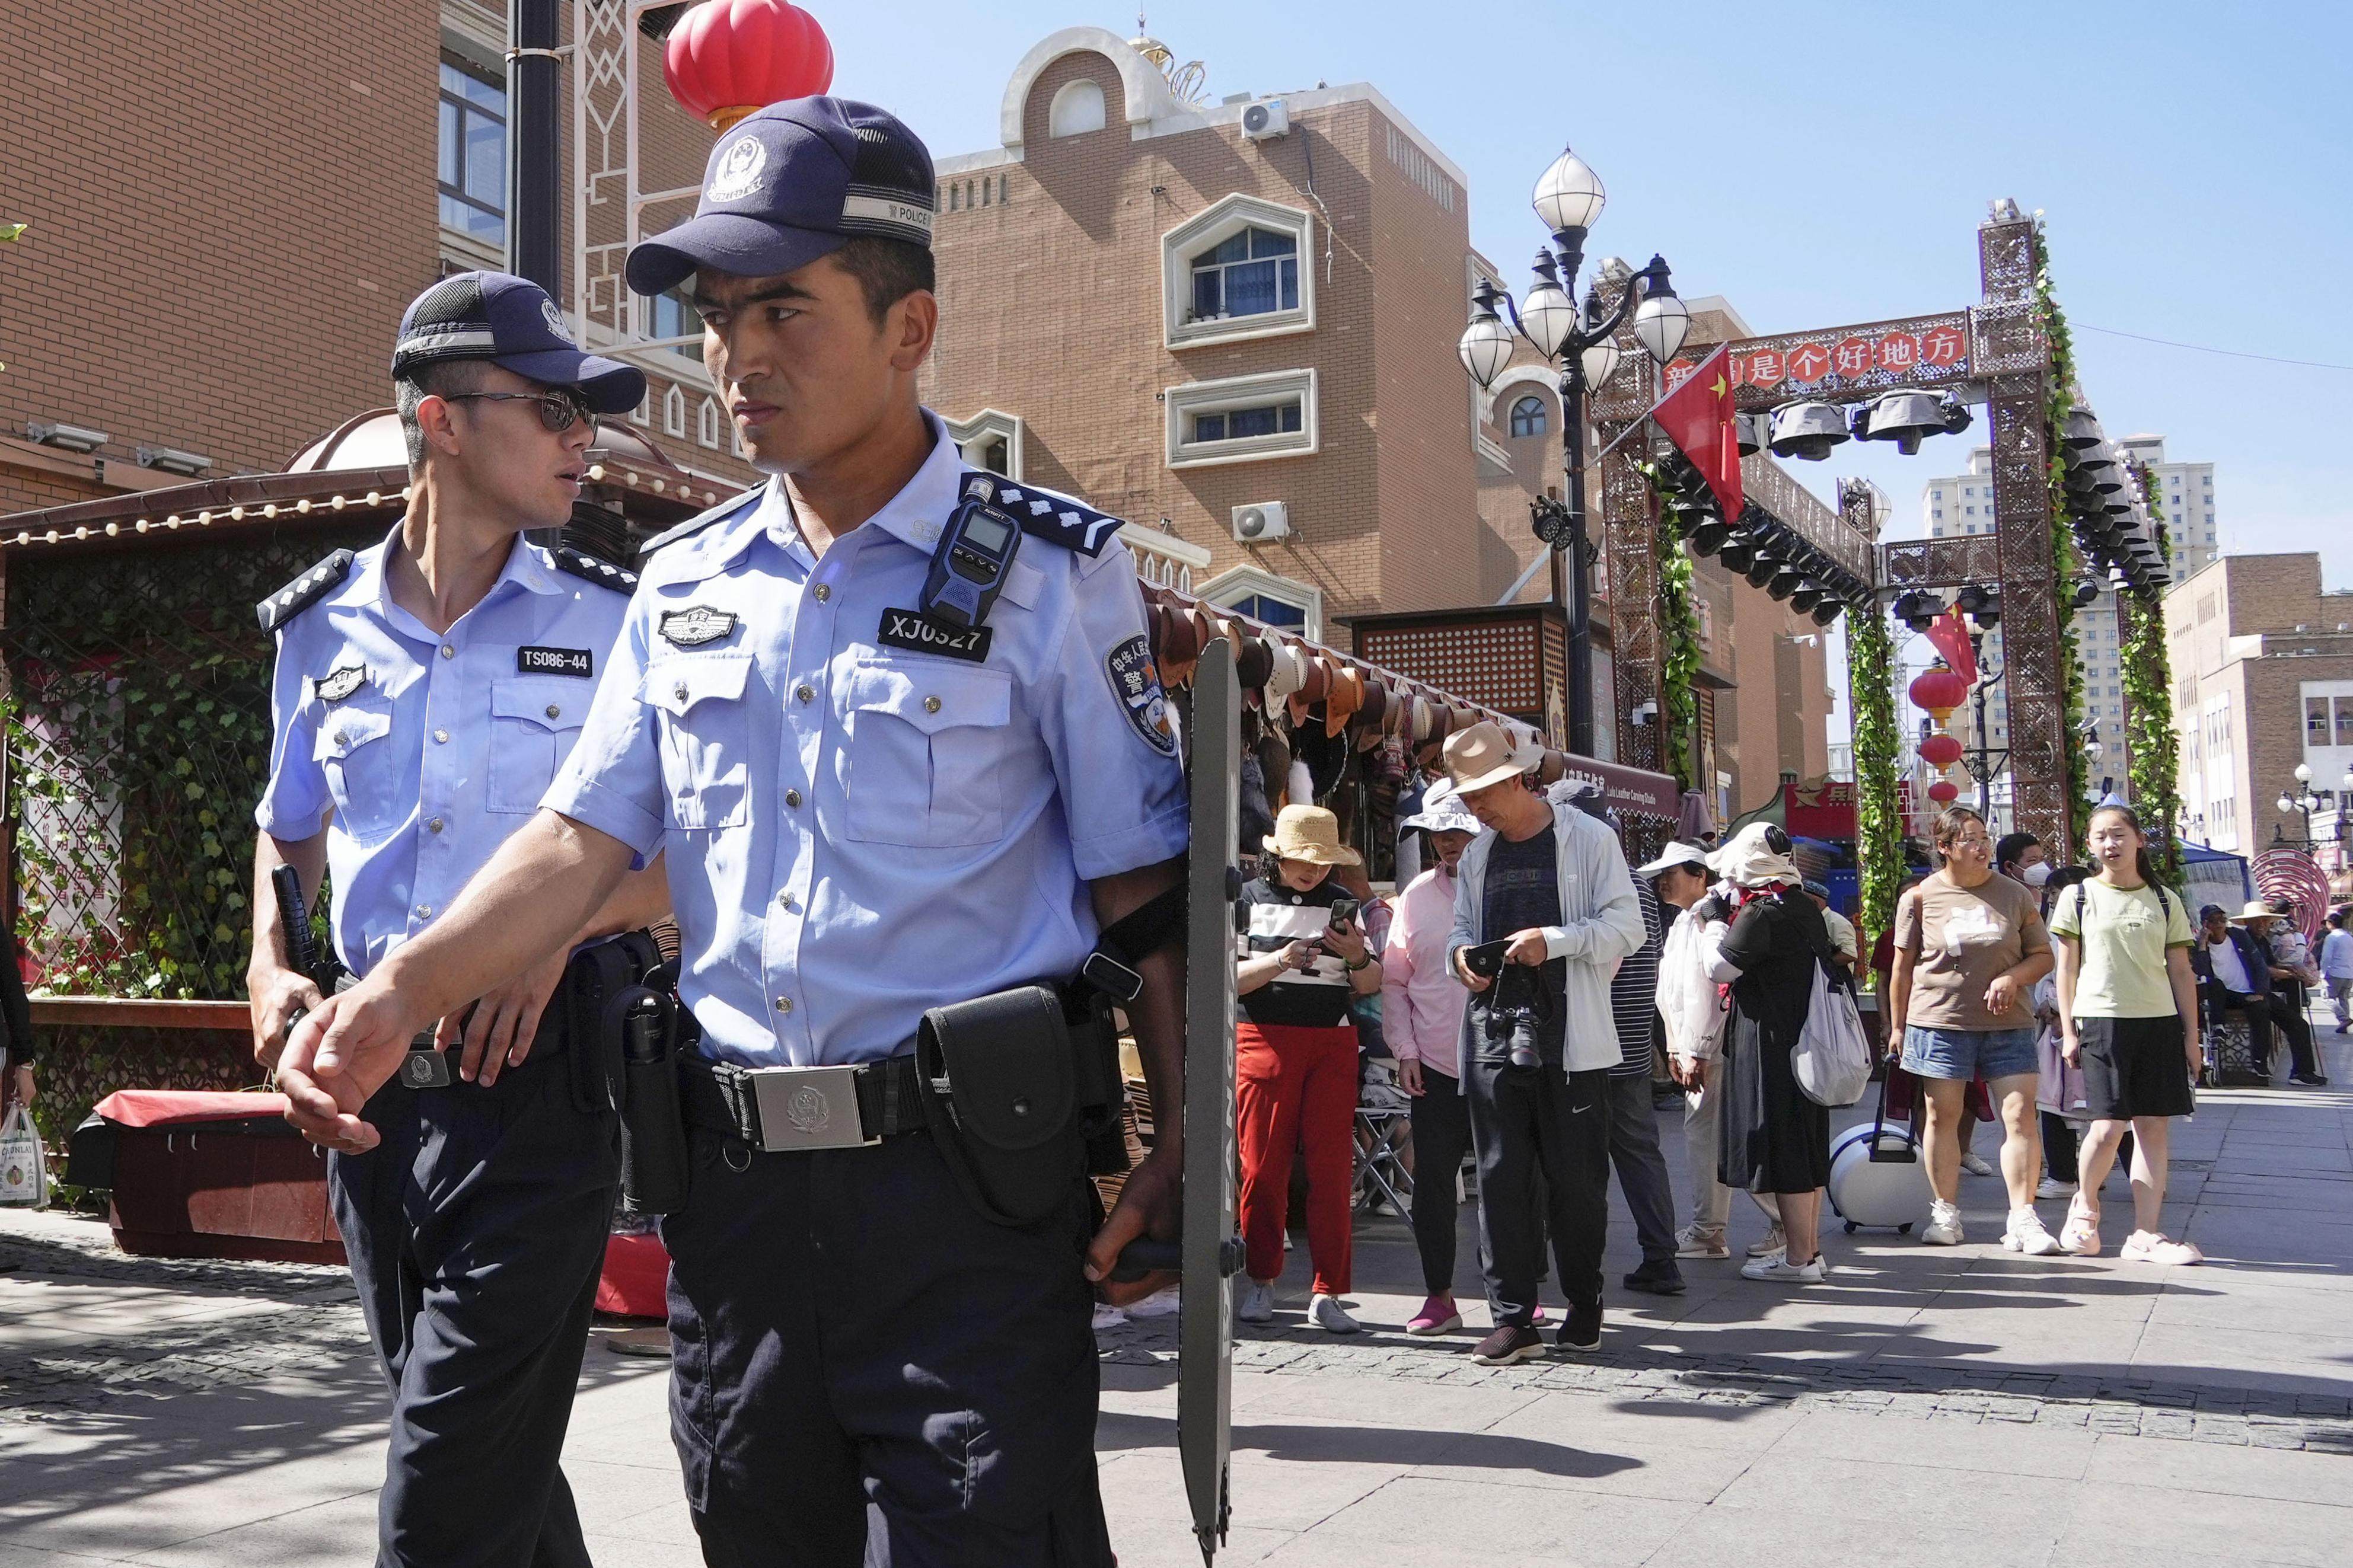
{"type": "Point", "coordinates": [1944, 792]}
{"type": "Point", "coordinates": [1940, 750]}
{"type": "Point", "coordinates": [728, 58]}
{"type": "Point", "coordinates": [1939, 690]}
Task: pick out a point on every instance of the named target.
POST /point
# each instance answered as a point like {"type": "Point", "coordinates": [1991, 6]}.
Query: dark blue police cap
{"type": "Point", "coordinates": [791, 183]}
{"type": "Point", "coordinates": [511, 322]}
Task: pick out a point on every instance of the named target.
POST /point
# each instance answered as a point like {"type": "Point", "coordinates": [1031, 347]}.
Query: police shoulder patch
{"type": "Point", "coordinates": [304, 592]}
{"type": "Point", "coordinates": [604, 574]}
{"type": "Point", "coordinates": [1057, 519]}
{"type": "Point", "coordinates": [1136, 681]}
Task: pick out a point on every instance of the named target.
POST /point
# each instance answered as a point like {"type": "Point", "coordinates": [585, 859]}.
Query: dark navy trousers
{"type": "Point", "coordinates": [868, 1372]}
{"type": "Point", "coordinates": [476, 1232]}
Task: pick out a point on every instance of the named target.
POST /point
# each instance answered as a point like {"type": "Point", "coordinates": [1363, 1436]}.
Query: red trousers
{"type": "Point", "coordinates": [1296, 1085]}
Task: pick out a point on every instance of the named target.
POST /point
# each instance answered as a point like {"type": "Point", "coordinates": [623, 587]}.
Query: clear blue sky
{"type": "Point", "coordinates": [1829, 164]}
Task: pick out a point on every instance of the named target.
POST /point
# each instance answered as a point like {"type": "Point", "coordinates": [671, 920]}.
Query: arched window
{"type": "Point", "coordinates": [1077, 108]}
{"type": "Point", "coordinates": [707, 423]}
{"type": "Point", "coordinates": [1528, 416]}
{"type": "Point", "coordinates": [673, 412]}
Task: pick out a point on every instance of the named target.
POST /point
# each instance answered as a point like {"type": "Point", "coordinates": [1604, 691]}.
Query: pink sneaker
{"type": "Point", "coordinates": [1437, 1316]}
{"type": "Point", "coordinates": [2149, 1246]}
{"type": "Point", "coordinates": [2081, 1234]}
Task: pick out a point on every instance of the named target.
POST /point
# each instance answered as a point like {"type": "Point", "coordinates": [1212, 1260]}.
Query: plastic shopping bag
{"type": "Point", "coordinates": [24, 1174]}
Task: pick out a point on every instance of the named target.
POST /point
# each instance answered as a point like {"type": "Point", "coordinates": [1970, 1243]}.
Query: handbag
{"type": "Point", "coordinates": [1833, 1055]}
{"type": "Point", "coordinates": [23, 1170]}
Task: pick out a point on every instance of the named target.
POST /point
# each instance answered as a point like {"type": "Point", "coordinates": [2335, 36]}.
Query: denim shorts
{"type": "Point", "coordinates": [1966, 1053]}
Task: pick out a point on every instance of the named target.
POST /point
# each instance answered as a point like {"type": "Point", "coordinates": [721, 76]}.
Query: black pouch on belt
{"type": "Point", "coordinates": [653, 1129]}
{"type": "Point", "coordinates": [999, 1087]}
{"type": "Point", "coordinates": [593, 987]}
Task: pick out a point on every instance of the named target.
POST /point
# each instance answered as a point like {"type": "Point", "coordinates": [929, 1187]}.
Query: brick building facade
{"type": "Point", "coordinates": [232, 202]}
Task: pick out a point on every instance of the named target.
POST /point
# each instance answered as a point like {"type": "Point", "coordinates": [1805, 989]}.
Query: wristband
{"type": "Point", "coordinates": [1363, 962]}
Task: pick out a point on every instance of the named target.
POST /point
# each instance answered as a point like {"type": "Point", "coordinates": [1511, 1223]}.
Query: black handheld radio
{"type": "Point", "coordinates": [969, 568]}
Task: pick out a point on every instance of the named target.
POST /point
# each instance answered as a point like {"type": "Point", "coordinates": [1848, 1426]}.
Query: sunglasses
{"type": "Point", "coordinates": [558, 411]}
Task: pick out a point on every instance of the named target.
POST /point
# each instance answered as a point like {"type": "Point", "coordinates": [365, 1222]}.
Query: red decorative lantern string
{"type": "Point", "coordinates": [728, 58]}
{"type": "Point", "coordinates": [1940, 749]}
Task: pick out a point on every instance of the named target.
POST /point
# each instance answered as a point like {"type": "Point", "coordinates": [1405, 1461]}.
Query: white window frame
{"type": "Point", "coordinates": [1236, 583]}
{"type": "Point", "coordinates": [674, 411]}
{"type": "Point", "coordinates": [1067, 95]}
{"type": "Point", "coordinates": [1213, 226]}
{"type": "Point", "coordinates": [986, 423]}
{"type": "Point", "coordinates": [706, 424]}
{"type": "Point", "coordinates": [1183, 402]}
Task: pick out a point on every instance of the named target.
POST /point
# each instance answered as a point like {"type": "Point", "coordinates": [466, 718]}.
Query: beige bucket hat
{"type": "Point", "coordinates": [1310, 833]}
{"type": "Point", "coordinates": [1481, 756]}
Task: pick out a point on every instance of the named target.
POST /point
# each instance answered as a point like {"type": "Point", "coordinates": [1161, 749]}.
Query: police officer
{"type": "Point", "coordinates": [427, 689]}
{"type": "Point", "coordinates": [871, 807]}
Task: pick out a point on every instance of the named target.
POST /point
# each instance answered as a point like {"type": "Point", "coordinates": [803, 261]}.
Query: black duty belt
{"type": "Point", "coordinates": [778, 1110]}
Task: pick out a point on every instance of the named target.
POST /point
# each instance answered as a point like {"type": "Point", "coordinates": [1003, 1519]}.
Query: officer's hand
{"type": "Point", "coordinates": [340, 1053]}
{"type": "Point", "coordinates": [499, 1030]}
{"type": "Point", "coordinates": [1409, 1076]}
{"type": "Point", "coordinates": [1464, 972]}
{"type": "Point", "coordinates": [1527, 947]}
{"type": "Point", "coordinates": [1148, 1206]}
{"type": "Point", "coordinates": [276, 995]}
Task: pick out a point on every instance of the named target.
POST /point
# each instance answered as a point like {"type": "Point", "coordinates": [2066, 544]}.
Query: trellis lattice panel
{"type": "Point", "coordinates": [2035, 668]}
{"type": "Point", "coordinates": [1628, 531]}
{"type": "Point", "coordinates": [1940, 563]}
{"type": "Point", "coordinates": [1498, 664]}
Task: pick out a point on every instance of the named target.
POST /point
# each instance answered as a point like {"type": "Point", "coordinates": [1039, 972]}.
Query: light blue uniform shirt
{"type": "Point", "coordinates": [429, 750]}
{"type": "Point", "coordinates": [857, 832]}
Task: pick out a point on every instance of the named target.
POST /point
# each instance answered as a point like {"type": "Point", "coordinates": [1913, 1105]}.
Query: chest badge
{"type": "Point", "coordinates": [694, 626]}
{"type": "Point", "coordinates": [1136, 681]}
{"type": "Point", "coordinates": [919, 633]}
{"type": "Point", "coordinates": [340, 683]}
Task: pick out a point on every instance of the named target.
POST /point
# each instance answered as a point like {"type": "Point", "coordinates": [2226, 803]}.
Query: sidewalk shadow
{"type": "Point", "coordinates": [1378, 1446]}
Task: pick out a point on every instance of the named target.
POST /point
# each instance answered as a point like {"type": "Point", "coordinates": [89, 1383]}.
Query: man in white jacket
{"type": "Point", "coordinates": [1549, 885]}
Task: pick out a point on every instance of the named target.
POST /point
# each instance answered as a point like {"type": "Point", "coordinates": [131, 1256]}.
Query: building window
{"type": "Point", "coordinates": [706, 424]}
{"type": "Point", "coordinates": [1241, 419]}
{"type": "Point", "coordinates": [1248, 274]}
{"type": "Point", "coordinates": [1528, 416]}
{"type": "Point", "coordinates": [674, 411]}
{"type": "Point", "coordinates": [1077, 107]}
{"type": "Point", "coordinates": [473, 154]}
{"type": "Point", "coordinates": [1940, 514]}
{"type": "Point", "coordinates": [990, 440]}
{"type": "Point", "coordinates": [2345, 721]}
{"type": "Point", "coordinates": [643, 414]}
{"type": "Point", "coordinates": [2316, 720]}
{"type": "Point", "coordinates": [1241, 269]}
{"type": "Point", "coordinates": [673, 315]}
{"type": "Point", "coordinates": [1267, 598]}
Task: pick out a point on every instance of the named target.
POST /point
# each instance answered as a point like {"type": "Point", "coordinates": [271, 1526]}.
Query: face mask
{"type": "Point", "coordinates": [2038, 873]}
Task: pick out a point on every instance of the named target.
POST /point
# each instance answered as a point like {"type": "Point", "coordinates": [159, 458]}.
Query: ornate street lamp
{"type": "Point", "coordinates": [1579, 342]}
{"type": "Point", "coordinates": [2303, 801]}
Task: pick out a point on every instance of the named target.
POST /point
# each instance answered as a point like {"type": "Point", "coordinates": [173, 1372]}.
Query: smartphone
{"type": "Point", "coordinates": [1486, 960]}
{"type": "Point", "coordinates": [1344, 911]}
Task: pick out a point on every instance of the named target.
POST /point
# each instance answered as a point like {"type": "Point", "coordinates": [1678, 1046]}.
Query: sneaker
{"type": "Point", "coordinates": [2309, 1080]}
{"type": "Point", "coordinates": [1659, 1279]}
{"type": "Point", "coordinates": [1777, 1268]}
{"type": "Point", "coordinates": [2052, 1187]}
{"type": "Point", "coordinates": [1511, 1342]}
{"type": "Point", "coordinates": [1693, 1242]}
{"type": "Point", "coordinates": [2148, 1246]}
{"type": "Point", "coordinates": [2027, 1235]}
{"type": "Point", "coordinates": [1257, 1303]}
{"type": "Point", "coordinates": [1327, 1313]}
{"type": "Point", "coordinates": [1583, 1329]}
{"type": "Point", "coordinates": [2081, 1234]}
{"type": "Point", "coordinates": [1437, 1316]}
{"type": "Point", "coordinates": [1772, 1244]}
{"type": "Point", "coordinates": [1975, 1163]}
{"type": "Point", "coordinates": [1943, 1226]}
{"type": "Point", "coordinates": [1162, 1303]}
{"type": "Point", "coordinates": [2342, 1027]}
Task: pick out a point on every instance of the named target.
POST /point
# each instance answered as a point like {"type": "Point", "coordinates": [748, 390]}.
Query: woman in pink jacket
{"type": "Point", "coordinates": [1423, 1007]}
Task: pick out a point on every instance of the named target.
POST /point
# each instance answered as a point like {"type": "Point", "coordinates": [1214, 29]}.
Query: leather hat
{"type": "Point", "coordinates": [1372, 708]}
{"type": "Point", "coordinates": [1481, 756]}
{"type": "Point", "coordinates": [1553, 768]}
{"type": "Point", "coordinates": [1348, 694]}
{"type": "Point", "coordinates": [1253, 661]}
{"type": "Point", "coordinates": [1288, 674]}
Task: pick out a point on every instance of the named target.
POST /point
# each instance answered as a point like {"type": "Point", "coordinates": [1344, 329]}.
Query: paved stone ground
{"type": "Point", "coordinates": [1962, 1405]}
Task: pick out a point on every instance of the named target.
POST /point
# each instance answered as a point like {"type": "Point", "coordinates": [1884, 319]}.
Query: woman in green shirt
{"type": "Point", "coordinates": [2128, 1018]}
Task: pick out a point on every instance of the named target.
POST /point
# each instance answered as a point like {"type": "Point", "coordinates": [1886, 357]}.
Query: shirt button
{"type": "Point", "coordinates": [793, 798]}
{"type": "Point", "coordinates": [449, 652]}
{"type": "Point", "coordinates": [679, 692]}
{"type": "Point", "coordinates": [784, 1004]}
{"type": "Point", "coordinates": [931, 704]}
{"type": "Point", "coordinates": [554, 711]}
{"type": "Point", "coordinates": [823, 593]}
{"type": "Point", "coordinates": [806, 693]}
{"type": "Point", "coordinates": [792, 905]}
{"type": "Point", "coordinates": [440, 737]}
{"type": "Point", "coordinates": [434, 825]}
{"type": "Point", "coordinates": [425, 911]}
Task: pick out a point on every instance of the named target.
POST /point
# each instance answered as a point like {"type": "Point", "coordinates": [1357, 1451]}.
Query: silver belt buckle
{"type": "Point", "coordinates": [809, 1108]}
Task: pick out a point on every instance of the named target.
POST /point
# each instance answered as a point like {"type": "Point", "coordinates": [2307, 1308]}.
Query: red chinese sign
{"type": "Point", "coordinates": [1923, 351]}
{"type": "Point", "coordinates": [1819, 808]}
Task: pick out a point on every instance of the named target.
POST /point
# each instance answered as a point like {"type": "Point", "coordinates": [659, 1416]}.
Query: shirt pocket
{"type": "Point", "coordinates": [363, 775]}
{"type": "Point", "coordinates": [706, 736]}
{"type": "Point", "coordinates": [535, 721]}
{"type": "Point", "coordinates": [929, 749]}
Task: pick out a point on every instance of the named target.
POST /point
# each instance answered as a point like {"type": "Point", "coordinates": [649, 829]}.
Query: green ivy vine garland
{"type": "Point", "coordinates": [2154, 766]}
{"type": "Point", "coordinates": [1678, 621]}
{"type": "Point", "coordinates": [1878, 822]}
{"type": "Point", "coordinates": [2065, 565]}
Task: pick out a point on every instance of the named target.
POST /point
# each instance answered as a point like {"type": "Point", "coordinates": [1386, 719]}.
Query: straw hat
{"type": "Point", "coordinates": [1480, 756]}
{"type": "Point", "coordinates": [1312, 834]}
{"type": "Point", "coordinates": [2256, 910]}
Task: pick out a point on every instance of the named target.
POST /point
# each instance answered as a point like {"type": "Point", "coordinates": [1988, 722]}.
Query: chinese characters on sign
{"type": "Point", "coordinates": [1923, 351]}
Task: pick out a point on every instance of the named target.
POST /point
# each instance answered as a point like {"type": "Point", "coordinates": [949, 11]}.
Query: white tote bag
{"type": "Point", "coordinates": [23, 1176]}
{"type": "Point", "coordinates": [1832, 1058]}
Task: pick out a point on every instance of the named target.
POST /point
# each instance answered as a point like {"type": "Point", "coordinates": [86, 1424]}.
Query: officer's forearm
{"type": "Point", "coordinates": [522, 906]}
{"type": "Point", "coordinates": [643, 898]}
{"type": "Point", "coordinates": [309, 858]}
{"type": "Point", "coordinates": [1157, 1014]}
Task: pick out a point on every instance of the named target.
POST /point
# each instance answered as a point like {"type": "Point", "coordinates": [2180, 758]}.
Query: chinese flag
{"type": "Point", "coordinates": [1949, 637]}
{"type": "Point", "coordinates": [1697, 418]}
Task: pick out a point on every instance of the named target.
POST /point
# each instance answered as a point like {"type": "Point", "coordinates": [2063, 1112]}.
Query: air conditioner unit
{"type": "Point", "coordinates": [1266, 119]}
{"type": "Point", "coordinates": [1261, 521]}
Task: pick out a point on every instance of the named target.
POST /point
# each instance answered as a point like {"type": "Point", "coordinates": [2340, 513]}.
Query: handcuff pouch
{"type": "Point", "coordinates": [999, 1085]}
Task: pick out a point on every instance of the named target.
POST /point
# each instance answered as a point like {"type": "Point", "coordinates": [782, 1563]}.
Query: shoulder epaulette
{"type": "Point", "coordinates": [1057, 519]}
{"type": "Point", "coordinates": [604, 574]}
{"type": "Point", "coordinates": [305, 590]}
{"type": "Point", "coordinates": [726, 508]}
